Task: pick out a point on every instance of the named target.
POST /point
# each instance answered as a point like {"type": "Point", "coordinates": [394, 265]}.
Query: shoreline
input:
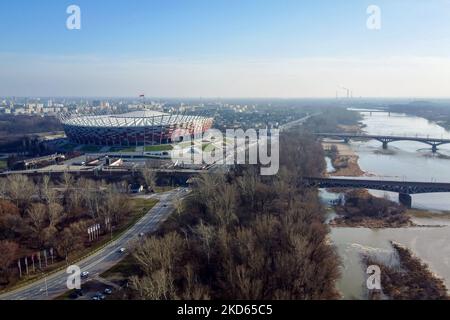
{"type": "Point", "coordinates": [345, 163]}
{"type": "Point", "coordinates": [412, 279]}
{"type": "Point", "coordinates": [343, 159]}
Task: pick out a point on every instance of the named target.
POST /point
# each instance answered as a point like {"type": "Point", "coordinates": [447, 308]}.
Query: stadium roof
{"type": "Point", "coordinates": [131, 119]}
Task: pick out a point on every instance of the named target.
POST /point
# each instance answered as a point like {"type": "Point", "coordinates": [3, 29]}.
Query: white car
{"type": "Point", "coordinates": [84, 274]}
{"type": "Point", "coordinates": [122, 250]}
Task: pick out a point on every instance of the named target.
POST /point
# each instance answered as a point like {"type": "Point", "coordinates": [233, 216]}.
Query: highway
{"type": "Point", "coordinates": [55, 284]}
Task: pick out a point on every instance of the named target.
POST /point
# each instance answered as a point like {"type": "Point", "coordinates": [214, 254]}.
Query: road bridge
{"type": "Point", "coordinates": [386, 139]}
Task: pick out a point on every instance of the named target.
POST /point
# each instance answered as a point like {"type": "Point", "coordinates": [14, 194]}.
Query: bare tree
{"type": "Point", "coordinates": [67, 181]}
{"type": "Point", "coordinates": [115, 206]}
{"type": "Point", "coordinates": [55, 213]}
{"type": "Point", "coordinates": [158, 257]}
{"type": "Point", "coordinates": [9, 251]}
{"type": "Point", "coordinates": [206, 236]}
{"type": "Point", "coordinates": [11, 222]}
{"type": "Point", "coordinates": [159, 253]}
{"type": "Point", "coordinates": [3, 188]}
{"type": "Point", "coordinates": [37, 214]}
{"type": "Point", "coordinates": [20, 189]}
{"type": "Point", "coordinates": [70, 239]}
{"type": "Point", "coordinates": [158, 286]}
{"type": "Point", "coordinates": [179, 206]}
{"type": "Point", "coordinates": [194, 290]}
{"type": "Point", "coordinates": [149, 176]}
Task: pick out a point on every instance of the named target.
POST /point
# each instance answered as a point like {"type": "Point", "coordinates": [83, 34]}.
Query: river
{"type": "Point", "coordinates": [404, 161]}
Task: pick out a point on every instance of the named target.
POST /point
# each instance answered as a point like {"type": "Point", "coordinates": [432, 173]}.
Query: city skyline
{"type": "Point", "coordinates": [287, 49]}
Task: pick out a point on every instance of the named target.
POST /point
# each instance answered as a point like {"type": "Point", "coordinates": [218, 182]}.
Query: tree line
{"type": "Point", "coordinates": [244, 236]}
{"type": "Point", "coordinates": [53, 214]}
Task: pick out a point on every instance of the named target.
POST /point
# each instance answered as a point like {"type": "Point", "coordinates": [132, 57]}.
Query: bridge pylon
{"type": "Point", "coordinates": [405, 199]}
{"type": "Point", "coordinates": [434, 148]}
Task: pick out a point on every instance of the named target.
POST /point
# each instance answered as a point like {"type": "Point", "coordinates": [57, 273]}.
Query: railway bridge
{"type": "Point", "coordinates": [404, 188]}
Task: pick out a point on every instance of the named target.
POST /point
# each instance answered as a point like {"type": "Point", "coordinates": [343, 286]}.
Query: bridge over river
{"type": "Point", "coordinates": [385, 139]}
{"type": "Point", "coordinates": [404, 188]}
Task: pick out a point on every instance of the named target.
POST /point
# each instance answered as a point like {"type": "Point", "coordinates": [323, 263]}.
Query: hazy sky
{"type": "Point", "coordinates": [225, 48]}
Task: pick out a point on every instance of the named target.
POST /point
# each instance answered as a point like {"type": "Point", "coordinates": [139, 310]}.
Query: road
{"type": "Point", "coordinates": [292, 124]}
{"type": "Point", "coordinates": [55, 284]}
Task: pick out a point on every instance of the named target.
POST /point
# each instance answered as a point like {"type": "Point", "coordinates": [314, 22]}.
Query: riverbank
{"type": "Point", "coordinates": [402, 160]}
{"type": "Point", "coordinates": [362, 210]}
{"type": "Point", "coordinates": [343, 159]}
{"type": "Point", "coordinates": [410, 280]}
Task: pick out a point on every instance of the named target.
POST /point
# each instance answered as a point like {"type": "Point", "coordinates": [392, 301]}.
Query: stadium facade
{"type": "Point", "coordinates": [132, 129]}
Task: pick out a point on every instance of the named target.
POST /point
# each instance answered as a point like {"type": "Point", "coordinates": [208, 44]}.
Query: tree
{"type": "Point", "coordinates": [9, 250]}
{"type": "Point", "coordinates": [66, 243]}
{"type": "Point", "coordinates": [20, 189]}
{"type": "Point", "coordinates": [10, 220]}
{"type": "Point", "coordinates": [3, 188]}
{"type": "Point", "coordinates": [8, 208]}
{"type": "Point", "coordinates": [206, 235]}
{"type": "Point", "coordinates": [158, 257]}
{"type": "Point", "coordinates": [67, 181]}
{"type": "Point", "coordinates": [246, 237]}
{"type": "Point", "coordinates": [149, 176]}
{"type": "Point", "coordinates": [115, 207]}
{"type": "Point", "coordinates": [55, 213]}
{"type": "Point", "coordinates": [37, 214]}
{"type": "Point", "coordinates": [49, 236]}
{"type": "Point", "coordinates": [178, 205]}
{"type": "Point", "coordinates": [157, 286]}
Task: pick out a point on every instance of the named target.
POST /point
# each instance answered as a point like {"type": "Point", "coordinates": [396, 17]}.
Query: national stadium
{"type": "Point", "coordinates": [132, 128]}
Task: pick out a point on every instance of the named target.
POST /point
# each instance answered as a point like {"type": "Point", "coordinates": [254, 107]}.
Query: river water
{"type": "Point", "coordinates": [404, 161]}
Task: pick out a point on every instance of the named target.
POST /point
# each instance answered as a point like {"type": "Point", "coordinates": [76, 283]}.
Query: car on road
{"type": "Point", "coordinates": [141, 234]}
{"type": "Point", "coordinates": [122, 250]}
{"type": "Point", "coordinates": [101, 296]}
{"type": "Point", "coordinates": [107, 291]}
{"type": "Point", "coordinates": [98, 296]}
{"type": "Point", "coordinates": [84, 274]}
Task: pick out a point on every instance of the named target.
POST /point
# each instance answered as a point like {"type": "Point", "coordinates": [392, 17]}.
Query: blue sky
{"type": "Point", "coordinates": [203, 47]}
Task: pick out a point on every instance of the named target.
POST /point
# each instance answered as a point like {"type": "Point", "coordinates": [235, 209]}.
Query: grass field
{"type": "Point", "coordinates": [163, 147]}
{"type": "Point", "coordinates": [124, 268]}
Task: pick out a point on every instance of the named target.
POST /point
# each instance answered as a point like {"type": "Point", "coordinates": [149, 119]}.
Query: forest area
{"type": "Point", "coordinates": [51, 218]}
{"type": "Point", "coordinates": [244, 236]}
